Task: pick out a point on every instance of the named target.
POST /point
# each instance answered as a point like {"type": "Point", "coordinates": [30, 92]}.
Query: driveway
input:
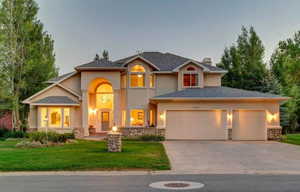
{"type": "Point", "coordinates": [233, 157]}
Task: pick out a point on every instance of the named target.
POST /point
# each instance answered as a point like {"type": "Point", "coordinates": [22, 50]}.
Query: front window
{"type": "Point", "coordinates": [152, 81]}
{"type": "Point", "coordinates": [137, 117]}
{"type": "Point", "coordinates": [104, 96]}
{"type": "Point", "coordinates": [137, 76]}
{"type": "Point", "coordinates": [55, 117]}
{"type": "Point", "coordinates": [190, 80]}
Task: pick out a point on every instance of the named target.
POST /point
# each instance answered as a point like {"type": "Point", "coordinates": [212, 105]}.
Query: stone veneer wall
{"type": "Point", "coordinates": [230, 134]}
{"type": "Point", "coordinates": [139, 131]}
{"type": "Point", "coordinates": [274, 133]}
{"type": "Point", "coordinates": [114, 142]}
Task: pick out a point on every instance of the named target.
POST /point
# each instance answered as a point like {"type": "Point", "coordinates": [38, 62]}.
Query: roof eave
{"type": "Point", "coordinates": [220, 98]}
{"type": "Point", "coordinates": [56, 104]}
{"type": "Point", "coordinates": [142, 58]}
{"type": "Point", "coordinates": [99, 68]}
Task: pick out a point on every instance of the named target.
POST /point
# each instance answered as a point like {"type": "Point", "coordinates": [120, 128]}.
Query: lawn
{"type": "Point", "coordinates": [84, 155]}
{"type": "Point", "coordinates": [291, 138]}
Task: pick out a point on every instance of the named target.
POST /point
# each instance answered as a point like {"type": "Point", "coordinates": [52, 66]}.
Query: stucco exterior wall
{"type": "Point", "coordinates": [212, 80]}
{"type": "Point", "coordinates": [73, 83]}
{"type": "Point", "coordinates": [165, 83]}
{"type": "Point", "coordinates": [54, 91]}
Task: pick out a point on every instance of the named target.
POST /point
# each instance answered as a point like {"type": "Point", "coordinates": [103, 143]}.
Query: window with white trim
{"type": "Point", "coordinates": [55, 117]}
{"type": "Point", "coordinates": [137, 76]}
{"type": "Point", "coordinates": [190, 78]}
{"type": "Point", "coordinates": [137, 117]}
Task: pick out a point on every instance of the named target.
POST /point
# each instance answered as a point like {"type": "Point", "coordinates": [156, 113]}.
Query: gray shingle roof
{"type": "Point", "coordinates": [60, 77]}
{"type": "Point", "coordinates": [217, 92]}
{"type": "Point", "coordinates": [56, 100]}
{"type": "Point", "coordinates": [99, 63]}
{"type": "Point", "coordinates": [165, 61]}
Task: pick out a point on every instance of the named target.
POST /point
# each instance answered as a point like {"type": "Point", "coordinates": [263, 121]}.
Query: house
{"type": "Point", "coordinates": [154, 92]}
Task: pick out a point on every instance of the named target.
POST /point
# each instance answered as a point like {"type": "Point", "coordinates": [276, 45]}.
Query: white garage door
{"type": "Point", "coordinates": [197, 125]}
{"type": "Point", "coordinates": [249, 125]}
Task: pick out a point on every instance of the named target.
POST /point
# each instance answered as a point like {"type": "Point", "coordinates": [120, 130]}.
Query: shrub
{"type": "Point", "coordinates": [15, 134]}
{"type": "Point", "coordinates": [3, 131]}
{"type": "Point", "coordinates": [145, 138]}
{"type": "Point", "coordinates": [70, 135]}
{"type": "Point", "coordinates": [44, 137]}
{"type": "Point", "coordinates": [152, 138]}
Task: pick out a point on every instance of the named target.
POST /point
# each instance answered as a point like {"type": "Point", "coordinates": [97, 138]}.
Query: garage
{"type": "Point", "coordinates": [196, 125]}
{"type": "Point", "coordinates": [249, 125]}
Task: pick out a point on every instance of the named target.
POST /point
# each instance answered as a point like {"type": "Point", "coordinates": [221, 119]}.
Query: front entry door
{"type": "Point", "coordinates": [105, 121]}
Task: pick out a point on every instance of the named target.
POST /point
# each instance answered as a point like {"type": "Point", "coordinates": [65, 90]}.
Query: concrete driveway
{"type": "Point", "coordinates": [233, 157]}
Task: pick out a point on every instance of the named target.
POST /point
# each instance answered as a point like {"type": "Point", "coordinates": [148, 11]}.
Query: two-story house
{"type": "Point", "coordinates": [179, 96]}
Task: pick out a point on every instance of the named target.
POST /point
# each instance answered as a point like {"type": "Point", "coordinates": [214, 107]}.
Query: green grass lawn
{"type": "Point", "coordinates": [291, 138]}
{"type": "Point", "coordinates": [84, 155]}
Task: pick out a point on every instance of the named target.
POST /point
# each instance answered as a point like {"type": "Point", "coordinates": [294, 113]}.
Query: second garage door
{"type": "Point", "coordinates": [249, 125]}
{"type": "Point", "coordinates": [196, 125]}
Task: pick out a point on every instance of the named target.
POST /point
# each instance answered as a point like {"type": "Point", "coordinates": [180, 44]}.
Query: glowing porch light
{"type": "Point", "coordinates": [140, 76]}
{"type": "Point", "coordinates": [162, 116]}
{"type": "Point", "coordinates": [229, 117]}
{"type": "Point", "coordinates": [271, 117]}
{"type": "Point", "coordinates": [93, 111]}
{"type": "Point", "coordinates": [131, 119]}
{"type": "Point", "coordinates": [114, 129]}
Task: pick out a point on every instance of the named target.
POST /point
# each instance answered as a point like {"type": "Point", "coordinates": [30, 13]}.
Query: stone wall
{"type": "Point", "coordinates": [229, 134]}
{"type": "Point", "coordinates": [139, 131]}
{"type": "Point", "coordinates": [274, 133]}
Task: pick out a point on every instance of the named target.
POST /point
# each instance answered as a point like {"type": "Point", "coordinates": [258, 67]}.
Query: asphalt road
{"type": "Point", "coordinates": [223, 183]}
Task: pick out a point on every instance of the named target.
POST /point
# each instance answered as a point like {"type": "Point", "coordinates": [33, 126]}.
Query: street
{"type": "Point", "coordinates": [139, 183]}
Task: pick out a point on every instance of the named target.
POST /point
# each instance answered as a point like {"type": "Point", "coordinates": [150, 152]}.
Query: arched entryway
{"type": "Point", "coordinates": [101, 105]}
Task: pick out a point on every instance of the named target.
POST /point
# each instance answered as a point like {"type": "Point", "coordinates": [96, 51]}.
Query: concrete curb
{"type": "Point", "coordinates": [128, 173]}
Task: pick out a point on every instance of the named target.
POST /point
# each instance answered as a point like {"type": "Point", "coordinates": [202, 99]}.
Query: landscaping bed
{"type": "Point", "coordinates": [83, 155]}
{"type": "Point", "coordinates": [291, 138]}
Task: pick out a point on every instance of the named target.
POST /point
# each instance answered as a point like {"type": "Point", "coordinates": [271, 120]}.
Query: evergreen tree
{"type": "Point", "coordinates": [244, 62]}
{"type": "Point", "coordinates": [105, 55]}
{"type": "Point", "coordinates": [27, 59]}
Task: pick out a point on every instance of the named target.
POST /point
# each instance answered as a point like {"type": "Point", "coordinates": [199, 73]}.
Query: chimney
{"type": "Point", "coordinates": [207, 60]}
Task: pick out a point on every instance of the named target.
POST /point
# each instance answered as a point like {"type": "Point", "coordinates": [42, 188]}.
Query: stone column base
{"type": "Point", "coordinates": [114, 142]}
{"type": "Point", "coordinates": [274, 133]}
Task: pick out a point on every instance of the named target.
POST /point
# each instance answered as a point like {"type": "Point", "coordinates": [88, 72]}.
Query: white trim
{"type": "Point", "coordinates": [162, 72]}
{"type": "Point", "coordinates": [190, 73]}
{"type": "Point", "coordinates": [66, 77]}
{"type": "Point", "coordinates": [54, 104]}
{"type": "Point", "coordinates": [220, 98]}
{"type": "Point", "coordinates": [93, 68]}
{"type": "Point", "coordinates": [142, 58]}
{"type": "Point", "coordinates": [205, 69]}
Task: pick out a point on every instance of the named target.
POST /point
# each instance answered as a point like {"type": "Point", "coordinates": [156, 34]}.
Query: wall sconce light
{"type": "Point", "coordinates": [139, 76]}
{"type": "Point", "coordinates": [229, 116]}
{"type": "Point", "coordinates": [162, 116]}
{"type": "Point", "coordinates": [271, 117]}
{"type": "Point", "coordinates": [93, 111]}
{"type": "Point", "coordinates": [131, 119]}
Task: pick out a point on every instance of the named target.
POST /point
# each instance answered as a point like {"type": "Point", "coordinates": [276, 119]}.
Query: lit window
{"type": "Point", "coordinates": [55, 119]}
{"type": "Point", "coordinates": [44, 117]}
{"type": "Point", "coordinates": [151, 118]}
{"type": "Point", "coordinates": [190, 80]}
{"type": "Point", "coordinates": [137, 117]}
{"type": "Point", "coordinates": [138, 68]}
{"type": "Point", "coordinates": [104, 96]}
{"type": "Point", "coordinates": [152, 81]}
{"type": "Point", "coordinates": [66, 117]}
{"type": "Point", "coordinates": [137, 80]}
{"type": "Point", "coordinates": [124, 118]}
{"type": "Point", "coordinates": [137, 76]}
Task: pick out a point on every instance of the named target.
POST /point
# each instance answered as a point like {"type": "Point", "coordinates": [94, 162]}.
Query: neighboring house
{"type": "Point", "coordinates": [6, 120]}
{"type": "Point", "coordinates": [179, 97]}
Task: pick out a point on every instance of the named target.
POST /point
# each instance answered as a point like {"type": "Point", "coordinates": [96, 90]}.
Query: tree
{"type": "Point", "coordinates": [285, 65]}
{"type": "Point", "coordinates": [27, 59]}
{"type": "Point", "coordinates": [244, 62]}
{"type": "Point", "coordinates": [105, 55]}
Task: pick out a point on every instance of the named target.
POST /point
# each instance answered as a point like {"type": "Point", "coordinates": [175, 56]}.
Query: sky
{"type": "Point", "coordinates": [190, 28]}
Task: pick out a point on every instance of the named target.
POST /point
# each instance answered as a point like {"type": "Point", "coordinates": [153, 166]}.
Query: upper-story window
{"type": "Point", "coordinates": [190, 77]}
{"type": "Point", "coordinates": [151, 81]}
{"type": "Point", "coordinates": [137, 76]}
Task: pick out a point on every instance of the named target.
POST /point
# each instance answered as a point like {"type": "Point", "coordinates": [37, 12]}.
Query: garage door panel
{"type": "Point", "coordinates": [200, 125]}
{"type": "Point", "coordinates": [249, 125]}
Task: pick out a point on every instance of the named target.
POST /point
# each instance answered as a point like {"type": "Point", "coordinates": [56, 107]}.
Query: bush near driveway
{"type": "Point", "coordinates": [83, 155]}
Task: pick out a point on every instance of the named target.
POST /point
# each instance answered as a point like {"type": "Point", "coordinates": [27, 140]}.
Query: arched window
{"type": "Point", "coordinates": [191, 69]}
{"type": "Point", "coordinates": [104, 96]}
{"type": "Point", "coordinates": [138, 68]}
{"type": "Point", "coordinates": [137, 76]}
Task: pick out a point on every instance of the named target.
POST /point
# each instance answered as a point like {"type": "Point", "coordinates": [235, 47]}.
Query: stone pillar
{"type": "Point", "coordinates": [114, 142]}
{"type": "Point", "coordinates": [85, 112]}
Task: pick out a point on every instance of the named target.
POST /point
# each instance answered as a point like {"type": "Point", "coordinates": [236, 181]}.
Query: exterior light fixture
{"type": "Point", "coordinates": [131, 119]}
{"type": "Point", "coordinates": [140, 76]}
{"type": "Point", "coordinates": [162, 116]}
{"type": "Point", "coordinates": [229, 116]}
{"type": "Point", "coordinates": [271, 117]}
{"type": "Point", "coordinates": [93, 111]}
{"type": "Point", "coordinates": [114, 129]}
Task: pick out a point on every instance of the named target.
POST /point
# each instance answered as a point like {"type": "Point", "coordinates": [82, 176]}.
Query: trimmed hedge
{"type": "Point", "coordinates": [145, 138]}
{"type": "Point", "coordinates": [12, 134]}
{"type": "Point", "coordinates": [54, 137]}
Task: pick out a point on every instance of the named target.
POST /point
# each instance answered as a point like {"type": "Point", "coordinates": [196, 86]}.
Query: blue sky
{"type": "Point", "coordinates": [191, 28]}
